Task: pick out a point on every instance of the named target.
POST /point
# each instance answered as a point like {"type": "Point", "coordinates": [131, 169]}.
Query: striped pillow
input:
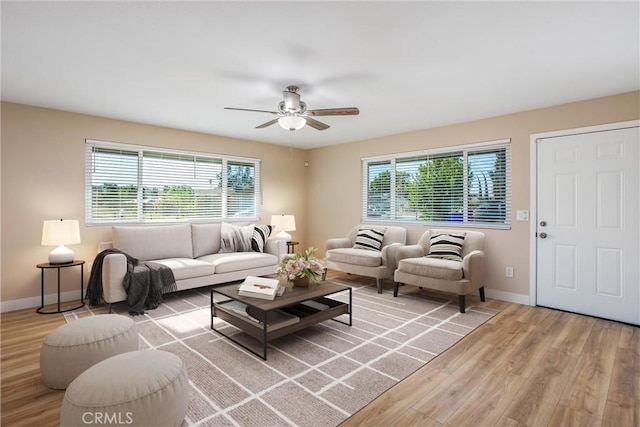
{"type": "Point", "coordinates": [369, 238]}
{"type": "Point", "coordinates": [446, 246]}
{"type": "Point", "coordinates": [261, 233]}
{"type": "Point", "coordinates": [235, 238]}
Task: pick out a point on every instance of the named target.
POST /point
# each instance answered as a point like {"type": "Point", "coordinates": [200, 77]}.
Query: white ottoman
{"type": "Point", "coordinates": [73, 348]}
{"type": "Point", "coordinates": [139, 388]}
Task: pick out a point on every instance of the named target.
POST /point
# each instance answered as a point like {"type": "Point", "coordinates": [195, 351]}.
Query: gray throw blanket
{"type": "Point", "coordinates": [144, 282]}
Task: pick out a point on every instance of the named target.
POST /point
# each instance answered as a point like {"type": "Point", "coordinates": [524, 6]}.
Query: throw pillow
{"type": "Point", "coordinates": [261, 233]}
{"type": "Point", "coordinates": [369, 238]}
{"type": "Point", "coordinates": [446, 246]}
{"type": "Point", "coordinates": [235, 238]}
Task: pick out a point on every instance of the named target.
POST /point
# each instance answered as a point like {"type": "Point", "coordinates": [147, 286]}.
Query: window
{"type": "Point", "coordinates": [464, 185]}
{"type": "Point", "coordinates": [127, 183]}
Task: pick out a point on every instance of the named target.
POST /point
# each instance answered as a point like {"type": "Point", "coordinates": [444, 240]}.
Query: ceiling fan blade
{"type": "Point", "coordinates": [249, 109]}
{"type": "Point", "coordinates": [348, 111]}
{"type": "Point", "coordinates": [269, 123]}
{"type": "Point", "coordinates": [316, 124]}
{"type": "Point", "coordinates": [291, 100]}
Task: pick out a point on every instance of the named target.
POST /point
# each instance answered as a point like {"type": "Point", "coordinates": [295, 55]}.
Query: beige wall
{"type": "Point", "coordinates": [43, 178]}
{"type": "Point", "coordinates": [335, 176]}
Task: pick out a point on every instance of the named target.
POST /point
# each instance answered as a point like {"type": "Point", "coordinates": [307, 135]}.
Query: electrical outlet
{"type": "Point", "coordinates": [508, 271]}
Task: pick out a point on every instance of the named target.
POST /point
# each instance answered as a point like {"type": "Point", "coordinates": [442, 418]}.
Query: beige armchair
{"type": "Point", "coordinates": [431, 264]}
{"type": "Point", "coordinates": [365, 252]}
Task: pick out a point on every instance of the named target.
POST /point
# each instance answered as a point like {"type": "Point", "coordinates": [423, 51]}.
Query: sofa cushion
{"type": "Point", "coordinates": [154, 242]}
{"type": "Point", "coordinates": [230, 262]}
{"type": "Point", "coordinates": [369, 238]}
{"type": "Point", "coordinates": [361, 257]}
{"type": "Point", "coordinates": [235, 238]}
{"type": "Point", "coordinates": [446, 245]}
{"type": "Point", "coordinates": [186, 268]}
{"type": "Point", "coordinates": [261, 233]}
{"type": "Point", "coordinates": [206, 239]}
{"type": "Point", "coordinates": [432, 267]}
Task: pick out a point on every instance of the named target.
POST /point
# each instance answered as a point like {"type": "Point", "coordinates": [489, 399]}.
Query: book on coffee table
{"type": "Point", "coordinates": [315, 304]}
{"type": "Point", "coordinates": [260, 287]}
{"type": "Point", "coordinates": [238, 308]}
{"type": "Point", "coordinates": [276, 319]}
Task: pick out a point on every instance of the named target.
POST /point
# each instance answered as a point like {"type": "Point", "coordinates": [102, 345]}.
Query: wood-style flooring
{"type": "Point", "coordinates": [528, 366]}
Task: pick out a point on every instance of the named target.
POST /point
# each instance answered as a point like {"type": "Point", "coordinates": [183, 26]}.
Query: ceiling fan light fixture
{"type": "Point", "coordinates": [292, 113]}
{"type": "Point", "coordinates": [292, 122]}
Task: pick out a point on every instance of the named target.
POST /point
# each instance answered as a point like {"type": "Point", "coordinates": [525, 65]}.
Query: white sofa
{"type": "Point", "coordinates": [192, 251]}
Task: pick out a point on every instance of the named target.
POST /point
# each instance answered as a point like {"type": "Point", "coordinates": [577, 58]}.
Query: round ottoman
{"type": "Point", "coordinates": [73, 348]}
{"type": "Point", "coordinates": [140, 388]}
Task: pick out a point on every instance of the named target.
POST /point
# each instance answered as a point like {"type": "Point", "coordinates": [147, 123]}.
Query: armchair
{"type": "Point", "coordinates": [365, 252]}
{"type": "Point", "coordinates": [431, 264]}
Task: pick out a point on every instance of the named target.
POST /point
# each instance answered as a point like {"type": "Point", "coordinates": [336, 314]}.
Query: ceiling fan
{"type": "Point", "coordinates": [293, 114]}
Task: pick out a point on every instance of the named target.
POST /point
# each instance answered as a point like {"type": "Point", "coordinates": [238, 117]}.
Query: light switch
{"type": "Point", "coordinates": [522, 215]}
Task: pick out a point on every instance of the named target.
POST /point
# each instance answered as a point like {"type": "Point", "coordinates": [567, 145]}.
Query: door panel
{"type": "Point", "coordinates": [565, 267]}
{"type": "Point", "coordinates": [588, 257]}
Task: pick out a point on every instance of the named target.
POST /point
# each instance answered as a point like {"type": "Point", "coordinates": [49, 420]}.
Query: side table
{"type": "Point", "coordinates": [45, 266]}
{"type": "Point", "coordinates": [291, 247]}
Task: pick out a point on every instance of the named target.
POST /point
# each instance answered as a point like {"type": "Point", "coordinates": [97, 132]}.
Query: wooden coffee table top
{"type": "Point", "coordinates": [293, 295]}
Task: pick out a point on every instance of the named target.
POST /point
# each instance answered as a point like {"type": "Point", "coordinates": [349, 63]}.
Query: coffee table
{"type": "Point", "coordinates": [310, 313]}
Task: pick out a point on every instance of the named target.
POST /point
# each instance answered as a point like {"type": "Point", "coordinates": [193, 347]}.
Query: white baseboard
{"type": "Point", "coordinates": [34, 302]}
{"type": "Point", "coordinates": [506, 296]}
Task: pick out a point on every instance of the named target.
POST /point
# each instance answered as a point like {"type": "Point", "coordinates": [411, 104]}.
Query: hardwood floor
{"type": "Point", "coordinates": [24, 399]}
{"type": "Point", "coordinates": [528, 366]}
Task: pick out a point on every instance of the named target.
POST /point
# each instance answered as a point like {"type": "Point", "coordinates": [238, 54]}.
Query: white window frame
{"type": "Point", "coordinates": [465, 220]}
{"type": "Point", "coordinates": [252, 214]}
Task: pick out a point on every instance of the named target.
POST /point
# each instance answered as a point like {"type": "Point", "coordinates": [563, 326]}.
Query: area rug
{"type": "Point", "coordinates": [318, 376]}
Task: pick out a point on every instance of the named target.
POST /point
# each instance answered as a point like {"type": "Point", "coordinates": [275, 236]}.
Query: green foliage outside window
{"type": "Point", "coordinates": [468, 185]}
{"type": "Point", "coordinates": [437, 189]}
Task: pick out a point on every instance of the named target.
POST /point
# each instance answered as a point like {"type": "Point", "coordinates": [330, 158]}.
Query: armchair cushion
{"type": "Point", "coordinates": [354, 256]}
{"type": "Point", "coordinates": [446, 246]}
{"type": "Point", "coordinates": [435, 268]}
{"type": "Point", "coordinates": [369, 238]}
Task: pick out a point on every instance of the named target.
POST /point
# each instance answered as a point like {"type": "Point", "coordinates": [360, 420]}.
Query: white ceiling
{"type": "Point", "coordinates": [406, 65]}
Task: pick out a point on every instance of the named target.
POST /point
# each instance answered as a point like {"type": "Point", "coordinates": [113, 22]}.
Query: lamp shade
{"type": "Point", "coordinates": [283, 223]}
{"type": "Point", "coordinates": [292, 122]}
{"type": "Point", "coordinates": [59, 233]}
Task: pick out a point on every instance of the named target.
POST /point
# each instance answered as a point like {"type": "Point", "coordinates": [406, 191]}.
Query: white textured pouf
{"type": "Point", "coordinates": [73, 348]}
{"type": "Point", "coordinates": [140, 388]}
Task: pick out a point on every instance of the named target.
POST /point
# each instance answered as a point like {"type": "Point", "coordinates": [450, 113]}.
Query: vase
{"type": "Point", "coordinates": [301, 282]}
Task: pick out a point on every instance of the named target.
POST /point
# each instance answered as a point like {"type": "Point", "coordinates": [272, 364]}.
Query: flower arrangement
{"type": "Point", "coordinates": [301, 266]}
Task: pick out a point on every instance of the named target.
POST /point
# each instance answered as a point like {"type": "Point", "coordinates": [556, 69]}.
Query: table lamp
{"type": "Point", "coordinates": [60, 233]}
{"type": "Point", "coordinates": [283, 223]}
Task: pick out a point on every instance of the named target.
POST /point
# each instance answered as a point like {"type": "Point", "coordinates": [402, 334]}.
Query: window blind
{"type": "Point", "coordinates": [464, 185]}
{"type": "Point", "coordinates": [126, 183]}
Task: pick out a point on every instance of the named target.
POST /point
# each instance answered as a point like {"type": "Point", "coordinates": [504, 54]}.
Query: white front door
{"type": "Point", "coordinates": [588, 190]}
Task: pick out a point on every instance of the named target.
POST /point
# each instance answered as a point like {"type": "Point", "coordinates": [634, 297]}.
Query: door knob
{"type": "Point", "coordinates": [543, 235]}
